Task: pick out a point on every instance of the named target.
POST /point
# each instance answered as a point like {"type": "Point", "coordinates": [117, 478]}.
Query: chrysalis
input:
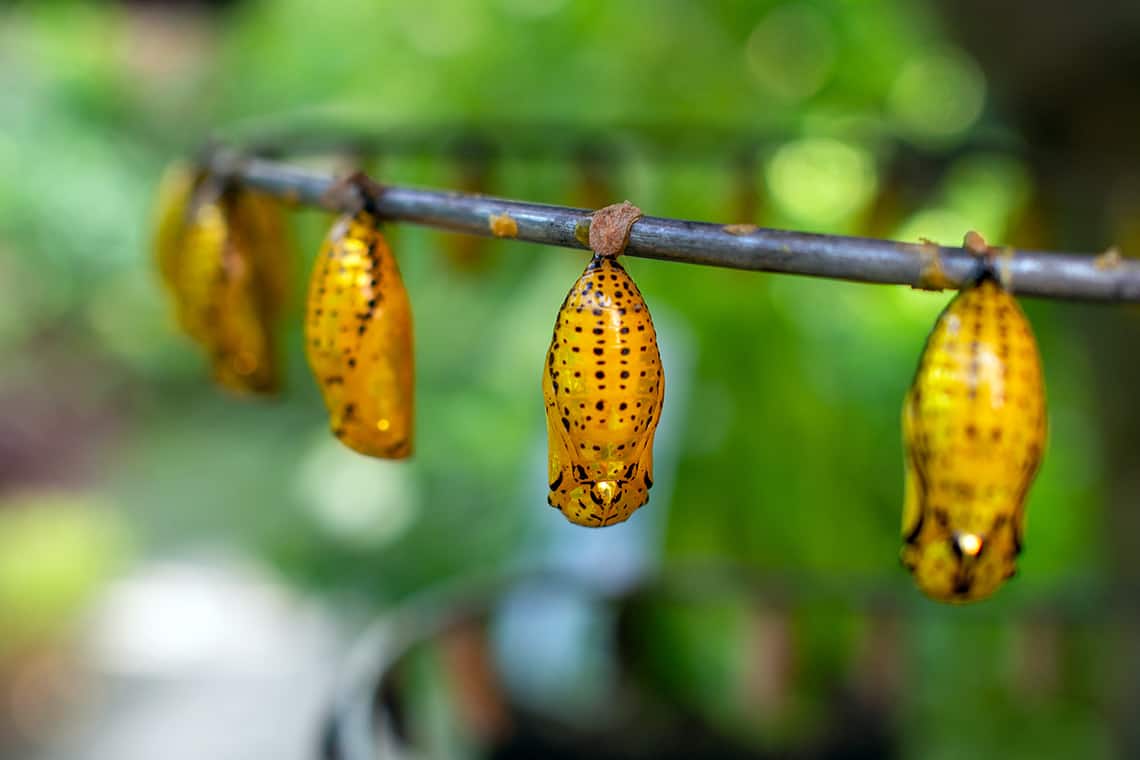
{"type": "Point", "coordinates": [260, 220]}
{"type": "Point", "coordinates": [175, 190]}
{"type": "Point", "coordinates": [224, 284]}
{"type": "Point", "coordinates": [358, 335]}
{"type": "Point", "coordinates": [603, 388]}
{"type": "Point", "coordinates": [973, 432]}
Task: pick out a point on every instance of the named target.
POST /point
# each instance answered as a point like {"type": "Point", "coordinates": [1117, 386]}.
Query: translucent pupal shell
{"type": "Point", "coordinates": [358, 336]}
{"type": "Point", "coordinates": [260, 220]}
{"type": "Point", "coordinates": [172, 204]}
{"type": "Point", "coordinates": [222, 284]}
{"type": "Point", "coordinates": [603, 387]}
{"type": "Point", "coordinates": [974, 429]}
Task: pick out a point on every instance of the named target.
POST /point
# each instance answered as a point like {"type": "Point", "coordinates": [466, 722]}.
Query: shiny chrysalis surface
{"type": "Point", "coordinates": [358, 336]}
{"type": "Point", "coordinates": [603, 388]}
{"type": "Point", "coordinates": [974, 431]}
{"type": "Point", "coordinates": [260, 219]}
{"type": "Point", "coordinates": [175, 190]}
{"type": "Point", "coordinates": [224, 280]}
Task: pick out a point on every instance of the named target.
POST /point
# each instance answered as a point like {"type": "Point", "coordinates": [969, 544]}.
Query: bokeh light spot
{"type": "Point", "coordinates": [937, 96]}
{"type": "Point", "coordinates": [532, 8]}
{"type": "Point", "coordinates": [440, 28]}
{"type": "Point", "coordinates": [821, 181]}
{"type": "Point", "coordinates": [358, 501]}
{"type": "Point", "coordinates": [791, 51]}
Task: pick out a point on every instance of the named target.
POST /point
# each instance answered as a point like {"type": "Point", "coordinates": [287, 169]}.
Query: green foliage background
{"type": "Point", "coordinates": [790, 445]}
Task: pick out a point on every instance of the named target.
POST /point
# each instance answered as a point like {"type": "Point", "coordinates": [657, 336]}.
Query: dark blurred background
{"type": "Point", "coordinates": [182, 573]}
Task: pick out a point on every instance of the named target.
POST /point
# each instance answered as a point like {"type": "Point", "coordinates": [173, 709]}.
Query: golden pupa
{"type": "Point", "coordinates": [225, 271]}
{"type": "Point", "coordinates": [358, 338]}
{"type": "Point", "coordinates": [974, 429]}
{"type": "Point", "coordinates": [603, 388]}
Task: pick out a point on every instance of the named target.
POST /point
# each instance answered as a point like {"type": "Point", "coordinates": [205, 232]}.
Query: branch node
{"type": "Point", "coordinates": [582, 231]}
{"type": "Point", "coordinates": [355, 192]}
{"type": "Point", "coordinates": [609, 228]}
{"type": "Point", "coordinates": [220, 161]}
{"type": "Point", "coordinates": [1004, 267]}
{"type": "Point", "coordinates": [932, 276]}
{"type": "Point", "coordinates": [974, 243]}
{"type": "Point", "coordinates": [1110, 259]}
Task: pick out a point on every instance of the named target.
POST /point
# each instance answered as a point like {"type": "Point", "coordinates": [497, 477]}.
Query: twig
{"type": "Point", "coordinates": [1030, 273]}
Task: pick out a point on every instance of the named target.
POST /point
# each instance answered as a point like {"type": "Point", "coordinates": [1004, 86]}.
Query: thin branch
{"type": "Point", "coordinates": [1031, 273]}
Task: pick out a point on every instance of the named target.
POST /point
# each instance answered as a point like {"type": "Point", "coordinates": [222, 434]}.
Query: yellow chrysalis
{"type": "Point", "coordinates": [603, 388]}
{"type": "Point", "coordinates": [226, 282]}
{"type": "Point", "coordinates": [175, 191]}
{"type": "Point", "coordinates": [973, 431]}
{"type": "Point", "coordinates": [358, 336]}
